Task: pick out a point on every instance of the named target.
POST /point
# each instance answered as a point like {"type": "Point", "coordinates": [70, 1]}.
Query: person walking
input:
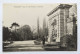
{"type": "Point", "coordinates": [43, 40]}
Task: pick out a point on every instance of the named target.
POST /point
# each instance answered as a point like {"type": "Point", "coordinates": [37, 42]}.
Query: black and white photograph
{"type": "Point", "coordinates": [39, 27]}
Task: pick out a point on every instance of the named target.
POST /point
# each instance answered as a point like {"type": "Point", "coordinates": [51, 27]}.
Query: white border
{"type": "Point", "coordinates": [41, 1]}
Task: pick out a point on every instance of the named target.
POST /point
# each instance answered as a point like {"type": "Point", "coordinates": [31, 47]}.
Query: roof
{"type": "Point", "coordinates": [58, 7]}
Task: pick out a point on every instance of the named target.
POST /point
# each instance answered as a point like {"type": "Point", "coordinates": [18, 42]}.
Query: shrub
{"type": "Point", "coordinates": [70, 42]}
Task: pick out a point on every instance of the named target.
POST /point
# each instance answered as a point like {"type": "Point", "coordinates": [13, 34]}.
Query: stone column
{"type": "Point", "coordinates": [66, 15]}
{"type": "Point", "coordinates": [49, 32]}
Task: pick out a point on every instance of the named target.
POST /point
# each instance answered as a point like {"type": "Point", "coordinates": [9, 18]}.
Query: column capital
{"type": "Point", "coordinates": [65, 6]}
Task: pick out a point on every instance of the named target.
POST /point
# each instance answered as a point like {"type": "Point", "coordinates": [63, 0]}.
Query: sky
{"type": "Point", "coordinates": [26, 14]}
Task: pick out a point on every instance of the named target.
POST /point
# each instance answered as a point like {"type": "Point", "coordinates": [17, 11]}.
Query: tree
{"type": "Point", "coordinates": [45, 29]}
{"type": "Point", "coordinates": [38, 28]}
{"type": "Point", "coordinates": [14, 35]}
{"type": "Point", "coordinates": [25, 32]}
{"type": "Point", "coordinates": [14, 24]}
{"type": "Point", "coordinates": [6, 33]}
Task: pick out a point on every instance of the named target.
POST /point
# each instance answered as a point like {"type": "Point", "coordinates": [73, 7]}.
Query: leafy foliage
{"type": "Point", "coordinates": [6, 33]}
{"type": "Point", "coordinates": [25, 32]}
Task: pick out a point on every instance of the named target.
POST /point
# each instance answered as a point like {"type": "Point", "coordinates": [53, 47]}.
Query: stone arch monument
{"type": "Point", "coordinates": [57, 23]}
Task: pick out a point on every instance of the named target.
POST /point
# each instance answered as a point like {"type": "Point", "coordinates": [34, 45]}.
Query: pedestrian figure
{"type": "Point", "coordinates": [43, 40]}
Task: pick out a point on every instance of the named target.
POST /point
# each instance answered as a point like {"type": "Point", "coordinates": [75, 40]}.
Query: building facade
{"type": "Point", "coordinates": [57, 23]}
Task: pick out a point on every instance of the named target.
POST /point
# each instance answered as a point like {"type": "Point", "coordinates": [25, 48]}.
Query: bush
{"type": "Point", "coordinates": [69, 41]}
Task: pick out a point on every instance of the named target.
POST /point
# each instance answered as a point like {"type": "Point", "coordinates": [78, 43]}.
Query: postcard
{"type": "Point", "coordinates": [40, 27]}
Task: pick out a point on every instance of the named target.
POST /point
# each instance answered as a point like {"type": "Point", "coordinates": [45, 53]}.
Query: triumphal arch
{"type": "Point", "coordinates": [57, 23]}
